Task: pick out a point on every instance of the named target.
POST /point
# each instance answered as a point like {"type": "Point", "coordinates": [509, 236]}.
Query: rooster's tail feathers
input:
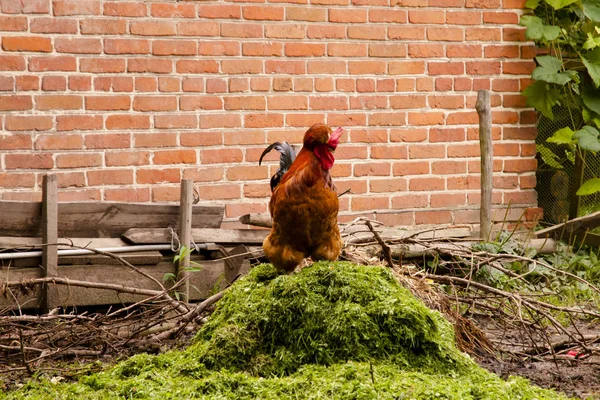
{"type": "Point", "coordinates": [288, 154]}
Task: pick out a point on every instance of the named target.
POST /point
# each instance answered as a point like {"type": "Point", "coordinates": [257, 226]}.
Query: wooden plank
{"type": "Point", "coordinates": [185, 234]}
{"type": "Point", "coordinates": [222, 236]}
{"type": "Point", "coordinates": [575, 226]}
{"type": "Point", "coordinates": [8, 242]}
{"type": "Point", "coordinates": [104, 219]}
{"type": "Point", "coordinates": [49, 238]}
{"type": "Point", "coordinates": [202, 283]}
{"type": "Point", "coordinates": [484, 110]}
{"type": "Point", "coordinates": [135, 258]}
{"type": "Point", "coordinates": [257, 219]}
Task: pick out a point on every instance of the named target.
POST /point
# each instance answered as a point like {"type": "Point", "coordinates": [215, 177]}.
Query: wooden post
{"type": "Point", "coordinates": [185, 232]}
{"type": "Point", "coordinates": [50, 238]}
{"type": "Point", "coordinates": [484, 109]}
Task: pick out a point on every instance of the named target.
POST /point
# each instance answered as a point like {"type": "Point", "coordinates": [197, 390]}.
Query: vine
{"type": "Point", "coordinates": [568, 75]}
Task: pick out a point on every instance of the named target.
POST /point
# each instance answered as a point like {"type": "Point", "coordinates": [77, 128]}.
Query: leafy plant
{"type": "Point", "coordinates": [567, 76]}
{"type": "Point", "coordinates": [171, 278]}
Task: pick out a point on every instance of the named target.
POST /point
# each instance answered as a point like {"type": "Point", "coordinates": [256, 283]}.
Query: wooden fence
{"type": "Point", "coordinates": [145, 235]}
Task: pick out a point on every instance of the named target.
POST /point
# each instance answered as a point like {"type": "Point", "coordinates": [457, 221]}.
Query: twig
{"type": "Point", "coordinates": [23, 356]}
{"type": "Point", "coordinates": [384, 246]}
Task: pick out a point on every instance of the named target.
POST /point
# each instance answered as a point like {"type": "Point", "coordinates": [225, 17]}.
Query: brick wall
{"type": "Point", "coordinates": [122, 99]}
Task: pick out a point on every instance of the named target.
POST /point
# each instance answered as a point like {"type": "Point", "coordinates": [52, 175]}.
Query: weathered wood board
{"type": "Point", "coordinates": [222, 236]}
{"type": "Point", "coordinates": [78, 219]}
{"type": "Point", "coordinates": [201, 283]}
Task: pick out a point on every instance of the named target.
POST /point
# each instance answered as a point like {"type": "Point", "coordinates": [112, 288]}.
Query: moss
{"type": "Point", "coordinates": [331, 331]}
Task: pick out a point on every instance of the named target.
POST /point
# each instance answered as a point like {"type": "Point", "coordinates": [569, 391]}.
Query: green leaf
{"type": "Point", "coordinates": [535, 27]}
{"type": "Point", "coordinates": [589, 187]}
{"type": "Point", "coordinates": [591, 9]}
{"type": "Point", "coordinates": [550, 32]}
{"type": "Point", "coordinates": [593, 69]}
{"type": "Point", "coordinates": [591, 98]}
{"type": "Point", "coordinates": [549, 62]}
{"type": "Point", "coordinates": [590, 116]}
{"type": "Point", "coordinates": [591, 42]}
{"type": "Point", "coordinates": [542, 98]}
{"type": "Point", "coordinates": [558, 4]}
{"type": "Point", "coordinates": [562, 136]}
{"type": "Point", "coordinates": [532, 3]}
{"type": "Point", "coordinates": [588, 138]}
{"type": "Point", "coordinates": [548, 156]}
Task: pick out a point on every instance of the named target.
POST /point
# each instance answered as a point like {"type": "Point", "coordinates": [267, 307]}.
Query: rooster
{"type": "Point", "coordinates": [304, 203]}
{"type": "Point", "coordinates": [287, 157]}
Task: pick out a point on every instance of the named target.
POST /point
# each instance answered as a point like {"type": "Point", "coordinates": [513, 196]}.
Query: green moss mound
{"type": "Point", "coordinates": [331, 331]}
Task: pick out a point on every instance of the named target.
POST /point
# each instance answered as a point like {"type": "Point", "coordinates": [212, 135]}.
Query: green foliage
{"type": "Point", "coordinates": [330, 331]}
{"type": "Point", "coordinates": [171, 278]}
{"type": "Point", "coordinates": [569, 76]}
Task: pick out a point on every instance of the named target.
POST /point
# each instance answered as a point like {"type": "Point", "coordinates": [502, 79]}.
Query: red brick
{"type": "Point", "coordinates": [387, 50]}
{"type": "Point", "coordinates": [75, 7]}
{"type": "Point", "coordinates": [125, 9]}
{"type": "Point", "coordinates": [110, 177]}
{"type": "Point", "coordinates": [158, 66]}
{"type": "Point", "coordinates": [28, 161]}
{"type": "Point", "coordinates": [239, 85]}
{"type": "Point", "coordinates": [107, 141]}
{"type": "Point", "coordinates": [166, 84]}
{"type": "Point", "coordinates": [127, 121]}
{"type": "Point", "coordinates": [387, 15]}
{"type": "Point", "coordinates": [114, 83]}
{"type": "Point", "coordinates": [162, 175]}
{"type": "Point", "coordinates": [389, 152]}
{"type": "Point", "coordinates": [152, 28]}
{"type": "Point", "coordinates": [303, 120]}
{"type": "Point", "coordinates": [387, 119]}
{"type": "Point", "coordinates": [369, 203]}
{"type": "Point", "coordinates": [78, 122]}
{"type": "Point", "coordinates": [495, 17]}
{"type": "Point", "coordinates": [426, 118]}
{"type": "Point", "coordinates": [426, 184]}
{"type": "Point", "coordinates": [180, 10]}
{"type": "Point", "coordinates": [220, 192]}
{"type": "Point", "coordinates": [102, 65]}
{"type": "Point", "coordinates": [408, 101]}
{"type": "Point", "coordinates": [388, 185]}
{"type": "Point", "coordinates": [410, 168]}
{"type": "Point", "coordinates": [426, 17]}
{"type": "Point", "coordinates": [53, 25]}
{"type": "Point", "coordinates": [77, 45]}
{"type": "Point", "coordinates": [521, 197]}
{"type": "Point", "coordinates": [13, 24]}
{"type": "Point", "coordinates": [126, 46]}
{"type": "Point", "coordinates": [80, 195]}
{"type": "Point", "coordinates": [135, 195]}
{"type": "Point", "coordinates": [482, 34]}
{"type": "Point", "coordinates": [28, 123]}
{"type": "Point", "coordinates": [238, 30]}
{"type": "Point", "coordinates": [219, 48]}
{"type": "Point", "coordinates": [241, 66]}
{"type": "Point", "coordinates": [367, 67]}
{"type": "Point", "coordinates": [447, 102]}
{"type": "Point", "coordinates": [103, 26]}
{"type": "Point", "coordinates": [52, 63]}
{"type": "Point", "coordinates": [197, 66]}
{"type": "Point", "coordinates": [25, 6]}
{"type": "Point", "coordinates": [270, 13]}
{"type": "Point", "coordinates": [190, 103]}
{"type": "Point", "coordinates": [54, 83]}
{"type": "Point", "coordinates": [220, 11]}
{"type": "Point", "coordinates": [15, 103]}
{"type": "Point", "coordinates": [27, 43]}
{"type": "Point", "coordinates": [288, 67]}
{"type": "Point", "coordinates": [245, 103]}
{"type": "Point", "coordinates": [155, 139]}
{"type": "Point", "coordinates": [174, 157]}
{"type": "Point", "coordinates": [325, 32]}
{"type": "Point", "coordinates": [446, 68]}
{"type": "Point", "coordinates": [347, 119]}
{"type": "Point", "coordinates": [7, 83]}
{"type": "Point", "coordinates": [16, 141]}
{"type": "Point", "coordinates": [408, 135]}
{"type": "Point", "coordinates": [220, 156]}
{"type": "Point", "coordinates": [58, 102]}
{"type": "Point", "coordinates": [433, 217]}
{"type": "Point", "coordinates": [520, 165]}
{"type": "Point", "coordinates": [463, 17]}
{"type": "Point", "coordinates": [25, 82]}
{"type": "Point", "coordinates": [406, 67]}
{"type": "Point", "coordinates": [367, 32]}
{"type": "Point", "coordinates": [288, 31]}
{"type": "Point", "coordinates": [304, 49]}
{"type": "Point", "coordinates": [372, 169]}
{"type": "Point", "coordinates": [463, 150]}
{"type": "Point", "coordinates": [196, 139]}
{"type": "Point", "coordinates": [464, 51]}
{"type": "Point", "coordinates": [175, 121]}
{"type": "Point", "coordinates": [107, 102]}
{"type": "Point", "coordinates": [220, 121]}
{"type": "Point", "coordinates": [247, 173]}
{"type": "Point", "coordinates": [58, 142]}
{"type": "Point", "coordinates": [15, 180]}
{"type": "Point", "coordinates": [239, 209]}
{"type": "Point", "coordinates": [269, 120]}
{"type": "Point", "coordinates": [174, 48]}
{"type": "Point", "coordinates": [312, 14]}
{"type": "Point", "coordinates": [154, 103]}
{"type": "Point", "coordinates": [347, 16]}
{"type": "Point", "coordinates": [482, 3]}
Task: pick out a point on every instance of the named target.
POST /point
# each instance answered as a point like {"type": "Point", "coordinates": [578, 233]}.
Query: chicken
{"type": "Point", "coordinates": [287, 157]}
{"type": "Point", "coordinates": [304, 205]}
